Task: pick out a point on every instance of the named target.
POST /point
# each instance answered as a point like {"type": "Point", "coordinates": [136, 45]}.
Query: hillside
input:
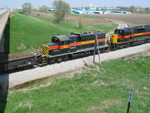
{"type": "Point", "coordinates": [29, 33]}
{"type": "Point", "coordinates": [97, 89]}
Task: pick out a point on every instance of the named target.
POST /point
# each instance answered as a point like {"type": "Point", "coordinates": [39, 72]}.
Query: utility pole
{"type": "Point", "coordinates": [96, 47]}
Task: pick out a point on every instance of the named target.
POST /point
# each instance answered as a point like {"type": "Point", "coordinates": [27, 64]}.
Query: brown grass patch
{"type": "Point", "coordinates": [89, 20]}
{"type": "Point", "coordinates": [81, 19]}
{"type": "Point", "coordinates": [105, 105]}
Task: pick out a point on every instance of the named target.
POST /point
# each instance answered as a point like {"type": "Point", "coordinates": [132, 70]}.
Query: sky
{"type": "Point", "coordinates": [75, 3]}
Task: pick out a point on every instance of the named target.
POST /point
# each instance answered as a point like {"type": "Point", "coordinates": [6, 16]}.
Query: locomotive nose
{"type": "Point", "coordinates": [45, 50]}
{"type": "Point", "coordinates": [114, 38]}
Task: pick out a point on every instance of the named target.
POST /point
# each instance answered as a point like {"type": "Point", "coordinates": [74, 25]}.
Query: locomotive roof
{"type": "Point", "coordinates": [51, 44]}
{"type": "Point", "coordinates": [62, 38]}
{"type": "Point", "coordinates": [72, 36]}
{"type": "Point", "coordinates": [136, 27]}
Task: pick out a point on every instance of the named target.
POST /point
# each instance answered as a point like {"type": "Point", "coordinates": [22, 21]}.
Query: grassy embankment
{"type": "Point", "coordinates": [103, 90]}
{"type": "Point", "coordinates": [28, 33]}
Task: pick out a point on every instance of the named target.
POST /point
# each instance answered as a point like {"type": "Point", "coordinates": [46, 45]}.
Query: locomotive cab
{"type": "Point", "coordinates": [59, 45]}
{"type": "Point", "coordinates": [118, 33]}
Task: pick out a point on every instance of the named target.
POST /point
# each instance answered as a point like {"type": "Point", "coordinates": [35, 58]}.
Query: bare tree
{"type": "Point", "coordinates": [43, 8]}
{"type": "Point", "coordinates": [61, 10]}
{"type": "Point", "coordinates": [27, 7]}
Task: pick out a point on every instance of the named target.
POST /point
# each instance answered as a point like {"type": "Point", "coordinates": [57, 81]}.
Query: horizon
{"type": "Point", "coordinates": [101, 3]}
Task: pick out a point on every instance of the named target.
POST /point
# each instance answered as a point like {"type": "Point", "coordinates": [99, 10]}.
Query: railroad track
{"type": "Point", "coordinates": [121, 25]}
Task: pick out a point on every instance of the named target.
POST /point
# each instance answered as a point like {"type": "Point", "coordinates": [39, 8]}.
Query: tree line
{"type": "Point", "coordinates": [135, 9]}
{"type": "Point", "coordinates": [62, 9]}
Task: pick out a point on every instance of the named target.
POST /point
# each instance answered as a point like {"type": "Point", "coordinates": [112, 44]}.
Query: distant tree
{"type": "Point", "coordinates": [97, 8]}
{"type": "Point", "coordinates": [61, 10]}
{"type": "Point", "coordinates": [43, 8]}
{"type": "Point", "coordinates": [27, 7]}
{"type": "Point", "coordinates": [34, 9]}
{"type": "Point", "coordinates": [86, 8]}
{"type": "Point", "coordinates": [147, 10]}
{"type": "Point", "coordinates": [133, 9]}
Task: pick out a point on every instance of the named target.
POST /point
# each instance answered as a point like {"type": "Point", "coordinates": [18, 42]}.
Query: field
{"type": "Point", "coordinates": [96, 89]}
{"type": "Point", "coordinates": [83, 18]}
{"type": "Point", "coordinates": [130, 19]}
{"type": "Point", "coordinates": [30, 32]}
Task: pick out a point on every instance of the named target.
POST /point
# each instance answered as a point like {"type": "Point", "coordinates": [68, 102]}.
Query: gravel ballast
{"type": "Point", "coordinates": [22, 77]}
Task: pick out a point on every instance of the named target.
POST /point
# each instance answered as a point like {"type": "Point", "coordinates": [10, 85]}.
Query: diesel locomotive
{"type": "Point", "coordinates": [66, 47]}
{"type": "Point", "coordinates": [130, 36]}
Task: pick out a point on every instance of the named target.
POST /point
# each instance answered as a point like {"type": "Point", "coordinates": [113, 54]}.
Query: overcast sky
{"type": "Point", "coordinates": [76, 3]}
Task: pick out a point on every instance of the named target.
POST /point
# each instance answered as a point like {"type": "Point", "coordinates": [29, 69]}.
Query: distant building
{"type": "Point", "coordinates": [51, 10]}
{"type": "Point", "coordinates": [93, 9]}
{"type": "Point", "coordinates": [120, 12]}
{"type": "Point", "coordinates": [98, 12]}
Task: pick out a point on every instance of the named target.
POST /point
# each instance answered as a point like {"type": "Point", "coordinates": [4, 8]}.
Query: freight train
{"type": "Point", "coordinates": [67, 47]}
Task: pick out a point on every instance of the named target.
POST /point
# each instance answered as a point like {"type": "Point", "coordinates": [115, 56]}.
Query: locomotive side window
{"type": "Point", "coordinates": [65, 42]}
{"type": "Point", "coordinates": [127, 32]}
{"type": "Point", "coordinates": [55, 40]}
{"type": "Point", "coordinates": [141, 30]}
{"type": "Point", "coordinates": [119, 32]}
{"type": "Point", "coordinates": [132, 31]}
{"type": "Point", "coordinates": [148, 28]}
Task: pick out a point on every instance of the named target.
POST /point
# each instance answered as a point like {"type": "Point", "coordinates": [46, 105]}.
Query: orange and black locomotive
{"type": "Point", "coordinates": [130, 36]}
{"type": "Point", "coordinates": [63, 47]}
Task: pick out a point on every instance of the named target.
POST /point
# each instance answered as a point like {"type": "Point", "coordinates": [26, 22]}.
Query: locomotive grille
{"type": "Point", "coordinates": [45, 50]}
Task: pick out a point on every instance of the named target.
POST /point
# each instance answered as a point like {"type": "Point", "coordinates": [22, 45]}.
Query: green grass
{"type": "Point", "coordinates": [97, 90]}
{"type": "Point", "coordinates": [27, 33]}
{"type": "Point", "coordinates": [85, 27]}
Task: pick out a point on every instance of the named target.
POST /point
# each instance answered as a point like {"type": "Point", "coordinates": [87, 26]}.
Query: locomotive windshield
{"type": "Point", "coordinates": [55, 40]}
{"type": "Point", "coordinates": [119, 32]}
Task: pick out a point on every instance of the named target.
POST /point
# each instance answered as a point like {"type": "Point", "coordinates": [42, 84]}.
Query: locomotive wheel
{"type": "Point", "coordinates": [127, 45]}
{"type": "Point", "coordinates": [51, 61]}
{"type": "Point", "coordinates": [59, 60]}
{"type": "Point", "coordinates": [39, 61]}
{"type": "Point", "coordinates": [65, 58]}
{"type": "Point", "coordinates": [120, 46]}
{"type": "Point", "coordinates": [148, 40]}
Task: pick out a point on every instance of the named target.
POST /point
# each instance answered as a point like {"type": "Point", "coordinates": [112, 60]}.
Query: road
{"type": "Point", "coordinates": [2, 12]}
{"type": "Point", "coordinates": [4, 15]}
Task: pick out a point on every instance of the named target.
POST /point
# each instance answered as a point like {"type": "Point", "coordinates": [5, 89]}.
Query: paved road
{"type": "Point", "coordinates": [2, 12]}
{"type": "Point", "coordinates": [4, 15]}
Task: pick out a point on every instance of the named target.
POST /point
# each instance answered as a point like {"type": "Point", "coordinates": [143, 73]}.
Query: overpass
{"type": "Point", "coordinates": [4, 30]}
